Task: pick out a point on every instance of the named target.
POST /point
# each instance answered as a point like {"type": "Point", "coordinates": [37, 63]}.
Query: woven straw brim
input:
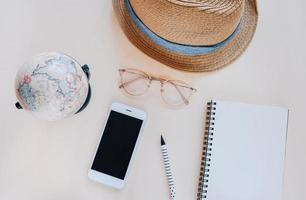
{"type": "Point", "coordinates": [194, 63]}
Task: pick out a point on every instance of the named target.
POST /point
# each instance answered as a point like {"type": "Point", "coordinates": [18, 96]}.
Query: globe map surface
{"type": "Point", "coordinates": [52, 86]}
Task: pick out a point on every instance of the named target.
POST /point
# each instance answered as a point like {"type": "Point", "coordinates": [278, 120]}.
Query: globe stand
{"type": "Point", "coordinates": [87, 73]}
{"type": "Point", "coordinates": [18, 106]}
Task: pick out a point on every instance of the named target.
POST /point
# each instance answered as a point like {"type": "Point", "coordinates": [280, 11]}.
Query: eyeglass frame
{"type": "Point", "coordinates": [162, 81]}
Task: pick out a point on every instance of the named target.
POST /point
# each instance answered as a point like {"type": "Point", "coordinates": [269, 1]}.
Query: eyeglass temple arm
{"type": "Point", "coordinates": [128, 82]}
{"type": "Point", "coordinates": [181, 94]}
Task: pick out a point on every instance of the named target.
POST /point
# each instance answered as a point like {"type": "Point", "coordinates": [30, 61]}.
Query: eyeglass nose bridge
{"type": "Point", "coordinates": [161, 80]}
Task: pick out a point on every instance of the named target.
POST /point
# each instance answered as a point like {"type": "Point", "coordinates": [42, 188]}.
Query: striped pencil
{"type": "Point", "coordinates": [168, 168]}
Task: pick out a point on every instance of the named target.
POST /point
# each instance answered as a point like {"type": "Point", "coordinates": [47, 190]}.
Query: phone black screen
{"type": "Point", "coordinates": [117, 144]}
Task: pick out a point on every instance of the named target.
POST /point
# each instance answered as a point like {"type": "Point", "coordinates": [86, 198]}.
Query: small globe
{"type": "Point", "coordinates": [51, 86]}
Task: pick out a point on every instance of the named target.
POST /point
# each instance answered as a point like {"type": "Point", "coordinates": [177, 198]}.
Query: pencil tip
{"type": "Point", "coordinates": [162, 141]}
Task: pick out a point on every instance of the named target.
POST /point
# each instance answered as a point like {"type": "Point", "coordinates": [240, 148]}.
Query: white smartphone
{"type": "Point", "coordinates": [117, 145]}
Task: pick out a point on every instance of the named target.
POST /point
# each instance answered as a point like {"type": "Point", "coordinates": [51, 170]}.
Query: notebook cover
{"type": "Point", "coordinates": [247, 151]}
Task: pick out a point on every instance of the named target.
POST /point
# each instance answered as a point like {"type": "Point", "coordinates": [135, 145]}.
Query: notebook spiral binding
{"type": "Point", "coordinates": [207, 148]}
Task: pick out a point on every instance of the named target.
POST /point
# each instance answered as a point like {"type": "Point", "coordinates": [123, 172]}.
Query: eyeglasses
{"type": "Point", "coordinates": [136, 82]}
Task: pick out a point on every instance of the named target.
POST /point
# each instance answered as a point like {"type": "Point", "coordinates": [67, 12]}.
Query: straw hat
{"type": "Point", "coordinates": [190, 35]}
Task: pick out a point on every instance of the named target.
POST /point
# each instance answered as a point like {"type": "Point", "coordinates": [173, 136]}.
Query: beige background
{"type": "Point", "coordinates": [41, 160]}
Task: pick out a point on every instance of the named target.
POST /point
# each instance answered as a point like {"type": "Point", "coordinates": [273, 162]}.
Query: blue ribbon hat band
{"type": "Point", "coordinates": [174, 47]}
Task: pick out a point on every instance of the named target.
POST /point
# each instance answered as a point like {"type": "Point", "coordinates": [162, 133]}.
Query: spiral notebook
{"type": "Point", "coordinates": [244, 151]}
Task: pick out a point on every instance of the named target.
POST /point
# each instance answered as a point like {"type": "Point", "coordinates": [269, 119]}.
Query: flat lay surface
{"type": "Point", "coordinates": [50, 160]}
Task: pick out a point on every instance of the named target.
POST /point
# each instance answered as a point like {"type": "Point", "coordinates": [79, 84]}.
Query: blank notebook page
{"type": "Point", "coordinates": [248, 151]}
